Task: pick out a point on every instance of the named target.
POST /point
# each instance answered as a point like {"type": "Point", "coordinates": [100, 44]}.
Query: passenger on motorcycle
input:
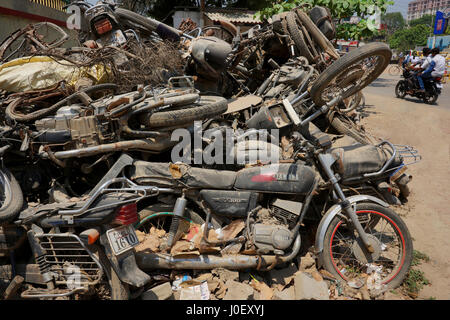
{"type": "Point", "coordinates": [420, 66]}
{"type": "Point", "coordinates": [435, 69]}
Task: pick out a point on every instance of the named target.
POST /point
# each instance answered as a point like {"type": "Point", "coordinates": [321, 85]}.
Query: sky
{"type": "Point", "coordinates": [400, 6]}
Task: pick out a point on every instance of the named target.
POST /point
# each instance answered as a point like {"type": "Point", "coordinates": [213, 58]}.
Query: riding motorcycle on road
{"type": "Point", "coordinates": [410, 86]}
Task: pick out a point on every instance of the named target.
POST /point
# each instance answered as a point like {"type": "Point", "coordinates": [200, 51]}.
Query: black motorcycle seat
{"type": "Point", "coordinates": [170, 175]}
{"type": "Point", "coordinates": [282, 178]}
{"type": "Point", "coordinates": [357, 160]}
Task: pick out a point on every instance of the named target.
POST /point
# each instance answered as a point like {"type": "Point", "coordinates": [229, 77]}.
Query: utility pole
{"type": "Point", "coordinates": [202, 13]}
{"type": "Point", "coordinates": [432, 26]}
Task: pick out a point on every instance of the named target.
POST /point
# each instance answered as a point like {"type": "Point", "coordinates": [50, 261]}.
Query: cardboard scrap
{"type": "Point", "coordinates": [265, 292]}
{"type": "Point", "coordinates": [192, 290]}
{"type": "Point", "coordinates": [231, 230]}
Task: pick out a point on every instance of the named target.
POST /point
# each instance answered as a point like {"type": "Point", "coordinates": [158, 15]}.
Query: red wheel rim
{"type": "Point", "coordinates": [393, 224]}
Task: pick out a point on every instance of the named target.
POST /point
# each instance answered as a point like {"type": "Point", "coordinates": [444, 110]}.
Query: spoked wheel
{"type": "Point", "coordinates": [395, 70]}
{"type": "Point", "coordinates": [400, 89]}
{"type": "Point", "coordinates": [344, 256]}
{"type": "Point", "coordinates": [372, 59]}
{"type": "Point", "coordinates": [346, 126]}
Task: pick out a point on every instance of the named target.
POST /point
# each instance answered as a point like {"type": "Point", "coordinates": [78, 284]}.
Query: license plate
{"type": "Point", "coordinates": [439, 85]}
{"type": "Point", "coordinates": [122, 239]}
{"type": "Point", "coordinates": [118, 37]}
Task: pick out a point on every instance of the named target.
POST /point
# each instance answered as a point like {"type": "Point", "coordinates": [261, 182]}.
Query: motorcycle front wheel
{"type": "Point", "coordinates": [344, 257]}
{"type": "Point", "coordinates": [372, 59]}
{"type": "Point", "coordinates": [400, 89]}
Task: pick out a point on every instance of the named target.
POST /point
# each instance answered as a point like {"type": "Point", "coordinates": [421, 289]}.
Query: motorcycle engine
{"type": "Point", "coordinates": [272, 233]}
{"type": "Point", "coordinates": [69, 124]}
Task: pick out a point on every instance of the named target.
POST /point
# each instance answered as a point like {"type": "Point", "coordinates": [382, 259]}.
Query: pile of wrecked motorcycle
{"type": "Point", "coordinates": [93, 204]}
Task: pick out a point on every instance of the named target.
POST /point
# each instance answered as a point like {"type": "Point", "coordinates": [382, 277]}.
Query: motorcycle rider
{"type": "Point", "coordinates": [418, 67]}
{"type": "Point", "coordinates": [435, 69]}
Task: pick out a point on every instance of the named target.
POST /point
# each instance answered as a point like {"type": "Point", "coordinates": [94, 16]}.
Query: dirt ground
{"type": "Point", "coordinates": [427, 214]}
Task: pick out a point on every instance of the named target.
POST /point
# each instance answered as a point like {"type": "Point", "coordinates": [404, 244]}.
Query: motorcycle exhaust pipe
{"type": "Point", "coordinates": [150, 144]}
{"type": "Point", "coordinates": [149, 261]}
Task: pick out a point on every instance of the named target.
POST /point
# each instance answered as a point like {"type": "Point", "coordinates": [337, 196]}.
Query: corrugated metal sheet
{"type": "Point", "coordinates": [234, 17]}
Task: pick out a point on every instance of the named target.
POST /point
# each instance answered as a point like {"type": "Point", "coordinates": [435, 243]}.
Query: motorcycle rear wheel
{"type": "Point", "coordinates": [342, 256]}
{"type": "Point", "coordinates": [117, 289]}
{"type": "Point", "coordinates": [430, 98]}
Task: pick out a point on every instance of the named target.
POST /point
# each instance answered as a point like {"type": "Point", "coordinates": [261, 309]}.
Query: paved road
{"type": "Point", "coordinates": [385, 85]}
{"type": "Point", "coordinates": [427, 214]}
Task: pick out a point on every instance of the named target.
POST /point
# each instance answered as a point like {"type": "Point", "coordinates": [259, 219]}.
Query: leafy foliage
{"type": "Point", "coordinates": [406, 39]}
{"type": "Point", "coordinates": [427, 20]}
{"type": "Point", "coordinates": [394, 21]}
{"type": "Point", "coordinates": [340, 9]}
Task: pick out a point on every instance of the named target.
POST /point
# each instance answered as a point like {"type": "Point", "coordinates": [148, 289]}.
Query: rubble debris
{"type": "Point", "coordinates": [192, 290]}
{"type": "Point", "coordinates": [160, 292]}
{"type": "Point", "coordinates": [263, 291]}
{"type": "Point", "coordinates": [280, 278]}
{"type": "Point", "coordinates": [307, 261]}
{"type": "Point", "coordinates": [225, 274]}
{"type": "Point", "coordinates": [238, 291]}
{"type": "Point", "coordinates": [286, 294]}
{"type": "Point", "coordinates": [307, 288]}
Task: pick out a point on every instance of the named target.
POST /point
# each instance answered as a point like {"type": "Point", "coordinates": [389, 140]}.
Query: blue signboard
{"type": "Point", "coordinates": [441, 23]}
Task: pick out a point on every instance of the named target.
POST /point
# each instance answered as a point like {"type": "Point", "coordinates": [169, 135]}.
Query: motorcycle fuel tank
{"type": "Point", "coordinates": [277, 178]}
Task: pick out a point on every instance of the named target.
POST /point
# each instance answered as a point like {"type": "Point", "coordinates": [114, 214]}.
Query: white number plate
{"type": "Point", "coordinates": [122, 239]}
{"type": "Point", "coordinates": [439, 85]}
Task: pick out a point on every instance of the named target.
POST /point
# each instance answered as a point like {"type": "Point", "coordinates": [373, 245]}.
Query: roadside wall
{"type": "Point", "coordinates": [16, 14]}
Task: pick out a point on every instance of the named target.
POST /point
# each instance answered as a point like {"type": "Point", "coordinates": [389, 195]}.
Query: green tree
{"type": "Point", "coordinates": [409, 38]}
{"type": "Point", "coordinates": [394, 21]}
{"type": "Point", "coordinates": [427, 20]}
{"type": "Point", "coordinates": [340, 9]}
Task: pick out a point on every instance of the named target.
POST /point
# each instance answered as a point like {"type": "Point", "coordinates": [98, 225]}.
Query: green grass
{"type": "Point", "coordinates": [415, 281]}
{"type": "Point", "coordinates": [418, 257]}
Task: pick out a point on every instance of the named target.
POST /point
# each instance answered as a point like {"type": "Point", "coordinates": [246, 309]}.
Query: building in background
{"type": "Point", "coordinates": [16, 14]}
{"type": "Point", "coordinates": [419, 8]}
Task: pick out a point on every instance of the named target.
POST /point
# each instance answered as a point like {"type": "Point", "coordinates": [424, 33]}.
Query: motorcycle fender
{"type": "Point", "coordinates": [125, 266]}
{"type": "Point", "coordinates": [334, 211]}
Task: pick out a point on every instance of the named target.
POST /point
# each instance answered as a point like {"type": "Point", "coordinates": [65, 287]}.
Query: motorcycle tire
{"type": "Point", "coordinates": [317, 15]}
{"type": "Point", "coordinates": [11, 197]}
{"type": "Point", "coordinates": [430, 98]}
{"type": "Point", "coordinates": [321, 40]}
{"type": "Point", "coordinates": [400, 89]}
{"type": "Point", "coordinates": [346, 127]}
{"type": "Point", "coordinates": [118, 289]}
{"type": "Point", "coordinates": [207, 107]}
{"type": "Point", "coordinates": [134, 18]}
{"type": "Point", "coordinates": [342, 66]}
{"type": "Point", "coordinates": [379, 214]}
{"type": "Point", "coordinates": [297, 36]}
